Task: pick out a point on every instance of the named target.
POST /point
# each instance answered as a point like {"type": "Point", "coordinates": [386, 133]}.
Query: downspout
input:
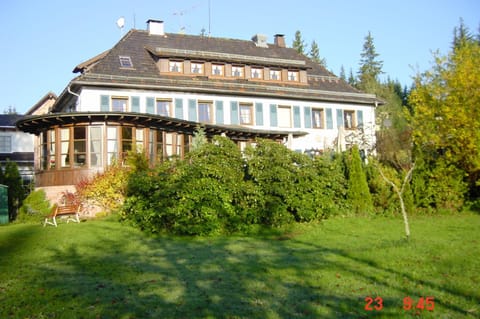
{"type": "Point", "coordinates": [75, 94]}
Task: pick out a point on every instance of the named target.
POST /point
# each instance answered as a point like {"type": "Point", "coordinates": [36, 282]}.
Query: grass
{"type": "Point", "coordinates": [104, 269]}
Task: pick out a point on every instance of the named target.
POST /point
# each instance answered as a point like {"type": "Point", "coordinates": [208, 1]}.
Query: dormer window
{"type": "Point", "coordinates": [175, 66]}
{"type": "Point", "coordinates": [125, 61]}
{"type": "Point", "coordinates": [196, 68]}
{"type": "Point", "coordinates": [275, 75]}
{"type": "Point", "coordinates": [218, 69]}
{"type": "Point", "coordinates": [237, 71]}
{"type": "Point", "coordinates": [256, 73]}
{"type": "Point", "coordinates": [293, 76]}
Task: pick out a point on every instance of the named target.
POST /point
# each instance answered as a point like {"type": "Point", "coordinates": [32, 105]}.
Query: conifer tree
{"type": "Point", "coordinates": [343, 76]}
{"type": "Point", "coordinates": [315, 54]}
{"type": "Point", "coordinates": [16, 193]}
{"type": "Point", "coordinates": [370, 66]}
{"type": "Point", "coordinates": [298, 43]}
{"type": "Point", "coordinates": [358, 192]}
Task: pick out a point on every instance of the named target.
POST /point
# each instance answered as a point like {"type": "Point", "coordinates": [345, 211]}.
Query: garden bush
{"type": "Point", "coordinates": [34, 207]}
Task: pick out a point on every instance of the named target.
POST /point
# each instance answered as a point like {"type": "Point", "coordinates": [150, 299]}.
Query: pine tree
{"type": "Point", "coordinates": [351, 79]}
{"type": "Point", "coordinates": [370, 66]}
{"type": "Point", "coordinates": [343, 76]}
{"type": "Point", "coordinates": [315, 54]}
{"type": "Point", "coordinates": [298, 43]}
{"type": "Point", "coordinates": [16, 193]}
{"type": "Point", "coordinates": [358, 192]}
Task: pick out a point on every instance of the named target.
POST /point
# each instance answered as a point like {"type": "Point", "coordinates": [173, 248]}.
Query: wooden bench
{"type": "Point", "coordinates": [65, 210]}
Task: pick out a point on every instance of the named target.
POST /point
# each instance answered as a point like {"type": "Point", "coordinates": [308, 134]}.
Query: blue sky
{"type": "Point", "coordinates": [42, 41]}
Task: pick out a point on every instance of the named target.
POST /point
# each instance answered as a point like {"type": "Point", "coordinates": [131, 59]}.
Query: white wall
{"type": "Point", "coordinates": [316, 138]}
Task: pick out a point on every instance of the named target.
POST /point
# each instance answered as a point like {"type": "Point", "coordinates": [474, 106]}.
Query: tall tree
{"type": "Point", "coordinates": [351, 78]}
{"type": "Point", "coordinates": [16, 193]}
{"type": "Point", "coordinates": [298, 43]}
{"type": "Point", "coordinates": [370, 66]}
{"type": "Point", "coordinates": [461, 35]}
{"type": "Point", "coordinates": [446, 121]}
{"type": "Point", "coordinates": [343, 76]}
{"type": "Point", "coordinates": [315, 54]}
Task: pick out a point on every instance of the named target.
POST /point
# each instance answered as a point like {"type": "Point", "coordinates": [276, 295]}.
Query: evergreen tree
{"type": "Point", "coordinates": [315, 54]}
{"type": "Point", "coordinates": [298, 43]}
{"type": "Point", "coordinates": [343, 76]}
{"type": "Point", "coordinates": [370, 66]}
{"type": "Point", "coordinates": [16, 193]}
{"type": "Point", "coordinates": [351, 78]}
{"type": "Point", "coordinates": [461, 35]}
{"type": "Point", "coordinates": [358, 192]}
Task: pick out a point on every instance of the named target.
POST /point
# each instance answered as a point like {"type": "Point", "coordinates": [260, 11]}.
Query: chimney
{"type": "Point", "coordinates": [260, 40]}
{"type": "Point", "coordinates": [155, 27]}
{"type": "Point", "coordinates": [280, 40]}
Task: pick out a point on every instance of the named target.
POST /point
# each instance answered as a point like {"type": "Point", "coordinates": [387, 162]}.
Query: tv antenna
{"type": "Point", "coordinates": [121, 24]}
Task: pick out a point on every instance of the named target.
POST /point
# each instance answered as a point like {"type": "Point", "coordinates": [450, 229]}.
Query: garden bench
{"type": "Point", "coordinates": [65, 210]}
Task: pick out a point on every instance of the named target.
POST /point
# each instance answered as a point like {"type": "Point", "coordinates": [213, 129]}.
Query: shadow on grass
{"type": "Point", "coordinates": [139, 277]}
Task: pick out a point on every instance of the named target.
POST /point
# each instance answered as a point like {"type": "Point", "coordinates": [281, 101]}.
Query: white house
{"type": "Point", "coordinates": [153, 89]}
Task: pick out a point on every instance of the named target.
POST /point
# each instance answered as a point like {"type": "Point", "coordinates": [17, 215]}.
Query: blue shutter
{"type": "Point", "coordinates": [339, 118]}
{"type": "Point", "coordinates": [359, 118]}
{"type": "Point", "coordinates": [307, 116]}
{"type": "Point", "coordinates": [179, 108]}
{"type": "Point", "coordinates": [329, 119]}
{"type": "Point", "coordinates": [259, 113]}
{"type": "Point", "coordinates": [296, 117]}
{"type": "Point", "coordinates": [234, 112]}
{"type": "Point", "coordinates": [273, 115]}
{"type": "Point", "coordinates": [135, 104]}
{"type": "Point", "coordinates": [104, 103]}
{"type": "Point", "coordinates": [192, 110]}
{"type": "Point", "coordinates": [150, 105]}
{"type": "Point", "coordinates": [219, 112]}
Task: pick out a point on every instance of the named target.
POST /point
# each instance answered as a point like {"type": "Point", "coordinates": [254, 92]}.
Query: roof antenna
{"type": "Point", "coordinates": [120, 25]}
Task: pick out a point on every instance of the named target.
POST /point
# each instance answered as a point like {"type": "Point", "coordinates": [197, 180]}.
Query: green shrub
{"type": "Point", "coordinates": [34, 208]}
{"type": "Point", "coordinates": [358, 193]}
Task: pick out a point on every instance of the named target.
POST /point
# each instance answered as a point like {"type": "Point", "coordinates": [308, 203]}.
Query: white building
{"type": "Point", "coordinates": [152, 90]}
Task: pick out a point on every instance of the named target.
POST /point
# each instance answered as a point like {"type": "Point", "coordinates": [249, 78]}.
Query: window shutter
{"type": "Point", "coordinates": [150, 105]}
{"type": "Point", "coordinates": [359, 118]}
{"type": "Point", "coordinates": [307, 117]}
{"type": "Point", "coordinates": [219, 112]}
{"type": "Point", "coordinates": [339, 118]}
{"type": "Point", "coordinates": [135, 104]}
{"type": "Point", "coordinates": [273, 115]}
{"type": "Point", "coordinates": [329, 119]}
{"type": "Point", "coordinates": [104, 103]}
{"type": "Point", "coordinates": [192, 110]}
{"type": "Point", "coordinates": [179, 108]}
{"type": "Point", "coordinates": [234, 112]}
{"type": "Point", "coordinates": [259, 113]}
{"type": "Point", "coordinates": [296, 117]}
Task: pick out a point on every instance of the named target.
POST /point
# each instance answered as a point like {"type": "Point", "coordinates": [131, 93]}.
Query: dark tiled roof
{"type": "Point", "coordinates": [145, 50]}
{"type": "Point", "coordinates": [8, 120]}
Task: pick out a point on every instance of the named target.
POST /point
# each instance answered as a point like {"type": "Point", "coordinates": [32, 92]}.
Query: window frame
{"type": "Point", "coordinates": [249, 107]}
{"type": "Point", "coordinates": [200, 67]}
{"type": "Point", "coordinates": [125, 99]}
{"type": "Point", "coordinates": [320, 111]}
{"type": "Point", "coordinates": [218, 66]}
{"type": "Point", "coordinates": [7, 143]}
{"type": "Point", "coordinates": [275, 75]}
{"type": "Point", "coordinates": [209, 105]}
{"type": "Point", "coordinates": [293, 76]}
{"type": "Point", "coordinates": [280, 110]}
{"type": "Point", "coordinates": [176, 66]}
{"type": "Point", "coordinates": [353, 119]}
{"type": "Point", "coordinates": [259, 72]}
{"type": "Point", "coordinates": [240, 69]}
{"type": "Point", "coordinates": [168, 107]}
{"type": "Point", "coordinates": [125, 61]}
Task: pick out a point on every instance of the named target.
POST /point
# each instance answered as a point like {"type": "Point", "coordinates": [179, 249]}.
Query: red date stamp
{"type": "Point", "coordinates": [420, 304]}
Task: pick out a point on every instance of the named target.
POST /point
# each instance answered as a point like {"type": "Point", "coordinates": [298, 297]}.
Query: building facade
{"type": "Point", "coordinates": [16, 146]}
{"type": "Point", "coordinates": [153, 89]}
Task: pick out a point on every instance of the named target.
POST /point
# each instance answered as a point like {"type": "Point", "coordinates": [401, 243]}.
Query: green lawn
{"type": "Point", "coordinates": [104, 269]}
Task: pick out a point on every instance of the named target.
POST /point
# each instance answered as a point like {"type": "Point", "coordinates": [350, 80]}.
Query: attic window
{"type": "Point", "coordinates": [125, 61]}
